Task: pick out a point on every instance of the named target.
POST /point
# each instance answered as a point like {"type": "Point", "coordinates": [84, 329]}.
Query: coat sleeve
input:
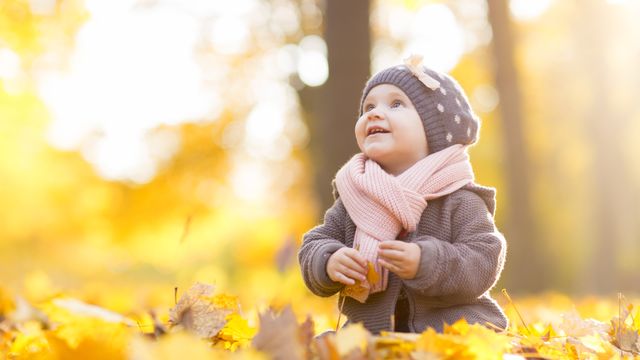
{"type": "Point", "coordinates": [469, 265]}
{"type": "Point", "coordinates": [318, 245]}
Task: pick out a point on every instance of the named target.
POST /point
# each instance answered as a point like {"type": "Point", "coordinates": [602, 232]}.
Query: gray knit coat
{"type": "Point", "coordinates": [462, 256]}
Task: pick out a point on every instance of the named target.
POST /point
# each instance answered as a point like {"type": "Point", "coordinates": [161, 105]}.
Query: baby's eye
{"type": "Point", "coordinates": [396, 103]}
{"type": "Point", "coordinates": [368, 107]}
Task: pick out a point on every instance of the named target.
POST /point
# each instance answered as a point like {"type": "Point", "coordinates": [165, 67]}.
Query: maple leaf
{"type": "Point", "coordinates": [361, 289]}
{"type": "Point", "coordinates": [372, 275]}
{"type": "Point", "coordinates": [199, 312]}
{"type": "Point", "coordinates": [573, 325]}
{"type": "Point", "coordinates": [29, 341]}
{"type": "Point", "coordinates": [236, 333]}
{"type": "Point", "coordinates": [78, 327]}
{"type": "Point", "coordinates": [358, 291]}
{"type": "Point", "coordinates": [305, 335]}
{"type": "Point", "coordinates": [279, 335]}
{"type": "Point", "coordinates": [325, 345]}
{"type": "Point", "coordinates": [462, 340]}
{"type": "Point", "coordinates": [353, 337]}
{"type": "Point", "coordinates": [394, 345]}
{"type": "Point", "coordinates": [624, 337]}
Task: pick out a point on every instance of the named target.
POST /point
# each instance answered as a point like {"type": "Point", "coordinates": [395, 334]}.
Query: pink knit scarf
{"type": "Point", "coordinates": [382, 205]}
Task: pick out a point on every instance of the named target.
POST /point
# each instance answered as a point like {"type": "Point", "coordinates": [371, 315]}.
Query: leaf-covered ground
{"type": "Point", "coordinates": [205, 324]}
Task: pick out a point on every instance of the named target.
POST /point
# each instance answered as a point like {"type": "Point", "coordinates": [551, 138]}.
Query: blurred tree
{"type": "Point", "coordinates": [524, 268]}
{"type": "Point", "coordinates": [604, 121]}
{"type": "Point", "coordinates": [348, 42]}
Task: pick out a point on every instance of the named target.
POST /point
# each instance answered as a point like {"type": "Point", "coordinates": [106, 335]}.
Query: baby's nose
{"type": "Point", "coordinates": [374, 114]}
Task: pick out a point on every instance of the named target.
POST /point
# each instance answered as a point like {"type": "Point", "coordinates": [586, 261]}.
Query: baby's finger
{"type": "Point", "coordinates": [344, 279]}
{"type": "Point", "coordinates": [392, 245]}
{"type": "Point", "coordinates": [356, 256]}
{"type": "Point", "coordinates": [391, 254]}
{"type": "Point", "coordinates": [352, 274]}
{"type": "Point", "coordinates": [391, 266]}
{"type": "Point", "coordinates": [354, 265]}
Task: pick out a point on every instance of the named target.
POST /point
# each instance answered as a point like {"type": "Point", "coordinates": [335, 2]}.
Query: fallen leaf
{"type": "Point", "coordinates": [279, 335]}
{"type": "Point", "coordinates": [352, 337]}
{"type": "Point", "coordinates": [197, 313]}
{"type": "Point", "coordinates": [573, 325]}
{"type": "Point", "coordinates": [624, 337]}
{"type": "Point", "coordinates": [236, 333]}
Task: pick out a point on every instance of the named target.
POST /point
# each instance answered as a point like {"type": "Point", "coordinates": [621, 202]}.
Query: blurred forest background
{"type": "Point", "coordinates": [147, 144]}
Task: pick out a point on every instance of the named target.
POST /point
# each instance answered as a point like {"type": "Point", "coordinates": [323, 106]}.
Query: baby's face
{"type": "Point", "coordinates": [401, 141]}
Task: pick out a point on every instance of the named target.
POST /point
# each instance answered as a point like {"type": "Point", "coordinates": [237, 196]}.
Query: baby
{"type": "Point", "coordinates": [410, 241]}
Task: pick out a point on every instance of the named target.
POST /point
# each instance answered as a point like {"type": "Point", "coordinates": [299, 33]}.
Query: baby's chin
{"type": "Point", "coordinates": [377, 152]}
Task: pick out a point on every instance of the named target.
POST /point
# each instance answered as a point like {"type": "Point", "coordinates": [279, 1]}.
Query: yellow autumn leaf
{"type": "Point", "coordinates": [358, 291]}
{"type": "Point", "coordinates": [352, 337]}
{"type": "Point", "coordinates": [79, 330]}
{"type": "Point", "coordinates": [179, 345]}
{"type": "Point", "coordinates": [448, 346]}
{"type": "Point", "coordinates": [372, 275]}
{"type": "Point", "coordinates": [30, 342]}
{"type": "Point", "coordinates": [236, 333]}
{"type": "Point", "coordinates": [224, 301]}
{"type": "Point", "coordinates": [7, 305]}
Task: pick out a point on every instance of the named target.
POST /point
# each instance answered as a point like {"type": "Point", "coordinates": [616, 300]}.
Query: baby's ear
{"type": "Point", "coordinates": [334, 190]}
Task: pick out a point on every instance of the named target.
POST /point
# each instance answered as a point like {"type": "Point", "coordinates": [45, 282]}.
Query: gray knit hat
{"type": "Point", "coordinates": [439, 100]}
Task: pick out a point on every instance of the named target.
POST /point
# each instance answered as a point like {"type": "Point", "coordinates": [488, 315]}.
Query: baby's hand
{"type": "Point", "coordinates": [399, 257]}
{"type": "Point", "coordinates": [347, 265]}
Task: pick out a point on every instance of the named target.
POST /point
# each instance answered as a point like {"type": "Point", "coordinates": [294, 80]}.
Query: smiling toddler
{"type": "Point", "coordinates": [410, 240]}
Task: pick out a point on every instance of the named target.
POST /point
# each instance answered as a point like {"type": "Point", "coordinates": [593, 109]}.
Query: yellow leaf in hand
{"type": "Point", "coordinates": [372, 275]}
{"type": "Point", "coordinates": [360, 290]}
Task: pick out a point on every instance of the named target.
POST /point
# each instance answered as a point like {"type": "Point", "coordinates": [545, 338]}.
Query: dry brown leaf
{"type": "Point", "coordinates": [624, 337]}
{"type": "Point", "coordinates": [197, 313]}
{"type": "Point", "coordinates": [279, 335]}
{"type": "Point", "coordinates": [358, 291]}
{"type": "Point", "coordinates": [325, 345]}
{"type": "Point", "coordinates": [305, 334]}
{"type": "Point", "coordinates": [574, 325]}
{"type": "Point", "coordinates": [361, 289]}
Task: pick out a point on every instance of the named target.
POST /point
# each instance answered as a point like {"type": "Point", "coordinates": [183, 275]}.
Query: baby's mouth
{"type": "Point", "coordinates": [376, 130]}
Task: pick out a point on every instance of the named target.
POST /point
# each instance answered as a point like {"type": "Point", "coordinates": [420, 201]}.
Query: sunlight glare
{"type": "Point", "coordinates": [485, 98]}
{"type": "Point", "coordinates": [122, 155]}
{"type": "Point", "coordinates": [230, 34]}
{"type": "Point", "coordinates": [9, 64]}
{"type": "Point", "coordinates": [265, 125]}
{"type": "Point", "coordinates": [312, 66]}
{"type": "Point", "coordinates": [42, 7]}
{"type": "Point", "coordinates": [128, 78]}
{"type": "Point", "coordinates": [250, 179]}
{"type": "Point", "coordinates": [526, 10]}
{"type": "Point", "coordinates": [437, 36]}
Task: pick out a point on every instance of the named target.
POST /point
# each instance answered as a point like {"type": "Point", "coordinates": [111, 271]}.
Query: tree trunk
{"type": "Point", "coordinates": [524, 269]}
{"type": "Point", "coordinates": [348, 44]}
